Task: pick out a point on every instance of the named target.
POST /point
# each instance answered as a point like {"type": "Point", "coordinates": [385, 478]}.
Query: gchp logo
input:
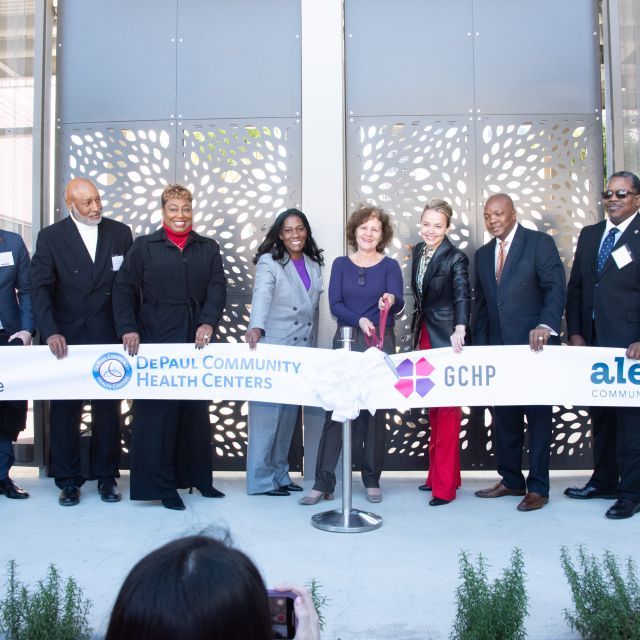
{"type": "Point", "coordinates": [414, 377]}
{"type": "Point", "coordinates": [112, 371]}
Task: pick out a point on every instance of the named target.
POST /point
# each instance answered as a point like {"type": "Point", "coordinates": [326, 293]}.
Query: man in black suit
{"type": "Point", "coordinates": [16, 327]}
{"type": "Point", "coordinates": [520, 295]}
{"type": "Point", "coordinates": [72, 273]}
{"type": "Point", "coordinates": [603, 309]}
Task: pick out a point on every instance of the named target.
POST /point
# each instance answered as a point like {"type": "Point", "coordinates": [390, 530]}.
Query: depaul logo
{"type": "Point", "coordinates": [414, 377]}
{"type": "Point", "coordinates": [112, 371]}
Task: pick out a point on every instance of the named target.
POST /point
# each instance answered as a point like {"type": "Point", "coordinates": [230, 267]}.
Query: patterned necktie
{"type": "Point", "coordinates": [606, 248]}
{"type": "Point", "coordinates": [501, 259]}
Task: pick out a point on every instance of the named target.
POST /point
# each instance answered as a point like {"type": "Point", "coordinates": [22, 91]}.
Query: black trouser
{"type": "Point", "coordinates": [604, 427]}
{"type": "Point", "coordinates": [170, 447]}
{"type": "Point", "coordinates": [13, 418]}
{"type": "Point", "coordinates": [367, 433]}
{"type": "Point", "coordinates": [65, 417]}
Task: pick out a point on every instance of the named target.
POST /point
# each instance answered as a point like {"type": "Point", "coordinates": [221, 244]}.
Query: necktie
{"type": "Point", "coordinates": [501, 259]}
{"type": "Point", "coordinates": [606, 248]}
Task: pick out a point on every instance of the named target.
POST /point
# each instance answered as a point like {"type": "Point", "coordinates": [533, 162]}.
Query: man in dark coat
{"type": "Point", "coordinates": [520, 296]}
{"type": "Point", "coordinates": [72, 273]}
{"type": "Point", "coordinates": [603, 310]}
{"type": "Point", "coordinates": [16, 327]}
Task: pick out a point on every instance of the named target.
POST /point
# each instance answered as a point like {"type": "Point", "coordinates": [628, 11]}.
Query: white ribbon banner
{"type": "Point", "coordinates": [339, 380]}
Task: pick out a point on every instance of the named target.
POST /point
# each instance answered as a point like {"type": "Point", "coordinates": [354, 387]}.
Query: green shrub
{"type": "Point", "coordinates": [490, 611]}
{"type": "Point", "coordinates": [51, 611]}
{"type": "Point", "coordinates": [319, 600]}
{"type": "Point", "coordinates": [607, 607]}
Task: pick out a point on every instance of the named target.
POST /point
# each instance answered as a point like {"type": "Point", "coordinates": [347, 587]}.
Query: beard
{"type": "Point", "coordinates": [90, 222]}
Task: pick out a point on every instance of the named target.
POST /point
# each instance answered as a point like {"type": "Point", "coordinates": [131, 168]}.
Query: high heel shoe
{"type": "Point", "coordinates": [314, 499]}
{"type": "Point", "coordinates": [208, 492]}
{"type": "Point", "coordinates": [173, 502]}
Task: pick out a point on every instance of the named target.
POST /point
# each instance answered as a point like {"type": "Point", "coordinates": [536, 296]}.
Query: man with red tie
{"type": "Point", "coordinates": [520, 296]}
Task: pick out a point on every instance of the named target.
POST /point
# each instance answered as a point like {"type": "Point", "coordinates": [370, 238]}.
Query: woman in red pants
{"type": "Point", "coordinates": [440, 282]}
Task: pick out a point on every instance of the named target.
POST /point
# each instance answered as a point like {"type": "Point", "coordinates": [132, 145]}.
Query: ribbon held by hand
{"type": "Point", "coordinates": [375, 340]}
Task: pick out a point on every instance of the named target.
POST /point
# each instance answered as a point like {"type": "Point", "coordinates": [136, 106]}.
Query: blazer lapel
{"type": "Point", "coordinates": [417, 251]}
{"type": "Point", "coordinates": [435, 261]}
{"type": "Point", "coordinates": [629, 237]}
{"type": "Point", "coordinates": [103, 249]}
{"type": "Point", "coordinates": [513, 255]}
{"type": "Point", "coordinates": [313, 269]}
{"type": "Point", "coordinates": [297, 285]}
{"type": "Point", "coordinates": [71, 236]}
{"type": "Point", "coordinates": [487, 263]}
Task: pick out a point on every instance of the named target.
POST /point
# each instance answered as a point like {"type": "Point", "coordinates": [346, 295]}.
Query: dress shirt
{"type": "Point", "coordinates": [622, 227]}
{"type": "Point", "coordinates": [89, 235]}
{"type": "Point", "coordinates": [509, 241]}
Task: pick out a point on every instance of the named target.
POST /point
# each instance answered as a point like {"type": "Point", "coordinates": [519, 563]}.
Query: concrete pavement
{"type": "Point", "coordinates": [394, 583]}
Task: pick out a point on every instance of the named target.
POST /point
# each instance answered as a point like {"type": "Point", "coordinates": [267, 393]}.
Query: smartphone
{"type": "Point", "coordinates": [283, 617]}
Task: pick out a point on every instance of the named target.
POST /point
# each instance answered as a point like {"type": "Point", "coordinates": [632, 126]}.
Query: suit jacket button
{"type": "Point", "coordinates": [296, 322]}
{"type": "Point", "coordinates": [305, 339]}
{"type": "Point", "coordinates": [295, 339]}
{"type": "Point", "coordinates": [308, 324]}
{"type": "Point", "coordinates": [295, 308]}
{"type": "Point", "coordinates": [597, 285]}
{"type": "Point", "coordinates": [76, 270]}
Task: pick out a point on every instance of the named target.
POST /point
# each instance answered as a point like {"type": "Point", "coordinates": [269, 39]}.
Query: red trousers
{"type": "Point", "coordinates": [444, 443]}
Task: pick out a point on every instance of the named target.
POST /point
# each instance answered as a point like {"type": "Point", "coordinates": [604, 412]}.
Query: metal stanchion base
{"type": "Point", "coordinates": [355, 521]}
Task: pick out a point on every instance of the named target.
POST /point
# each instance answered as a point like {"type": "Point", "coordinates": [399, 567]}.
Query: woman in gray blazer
{"type": "Point", "coordinates": [284, 310]}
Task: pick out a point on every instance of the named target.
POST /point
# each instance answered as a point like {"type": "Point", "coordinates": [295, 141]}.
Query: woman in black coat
{"type": "Point", "coordinates": [170, 288]}
{"type": "Point", "coordinates": [440, 282]}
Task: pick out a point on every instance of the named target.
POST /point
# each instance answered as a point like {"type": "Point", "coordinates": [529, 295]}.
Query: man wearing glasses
{"type": "Point", "coordinates": [603, 310]}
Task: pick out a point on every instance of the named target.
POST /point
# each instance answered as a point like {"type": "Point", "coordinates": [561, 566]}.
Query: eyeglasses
{"type": "Point", "coordinates": [621, 194]}
{"type": "Point", "coordinates": [361, 277]}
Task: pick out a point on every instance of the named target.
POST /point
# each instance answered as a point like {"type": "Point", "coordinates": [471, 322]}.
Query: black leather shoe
{"type": "Point", "coordinates": [437, 502]}
{"type": "Point", "coordinates": [208, 492]}
{"type": "Point", "coordinates": [69, 496]}
{"type": "Point", "coordinates": [623, 508]}
{"type": "Point", "coordinates": [291, 487]}
{"type": "Point", "coordinates": [588, 492]}
{"type": "Point", "coordinates": [276, 492]}
{"type": "Point", "coordinates": [423, 487]}
{"type": "Point", "coordinates": [109, 491]}
{"type": "Point", "coordinates": [174, 502]}
{"type": "Point", "coordinates": [11, 490]}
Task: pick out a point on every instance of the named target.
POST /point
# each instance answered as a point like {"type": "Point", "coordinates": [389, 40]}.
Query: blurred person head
{"type": "Point", "coordinates": [290, 236]}
{"type": "Point", "coordinates": [369, 228]}
{"type": "Point", "coordinates": [194, 588]}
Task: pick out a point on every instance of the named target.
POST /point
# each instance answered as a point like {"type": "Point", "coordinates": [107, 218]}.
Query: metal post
{"type": "Point", "coordinates": [346, 520]}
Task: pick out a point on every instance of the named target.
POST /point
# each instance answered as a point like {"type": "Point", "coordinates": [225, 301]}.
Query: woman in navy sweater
{"type": "Point", "coordinates": [361, 285]}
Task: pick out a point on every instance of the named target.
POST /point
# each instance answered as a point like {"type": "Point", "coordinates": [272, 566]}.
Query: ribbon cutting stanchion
{"type": "Point", "coordinates": [347, 519]}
